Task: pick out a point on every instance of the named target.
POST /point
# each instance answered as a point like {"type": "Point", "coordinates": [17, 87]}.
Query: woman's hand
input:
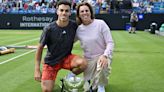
{"type": "Point", "coordinates": [103, 61]}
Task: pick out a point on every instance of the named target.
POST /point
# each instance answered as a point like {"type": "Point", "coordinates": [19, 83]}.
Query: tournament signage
{"type": "Point", "coordinates": [25, 21]}
{"type": "Point", "coordinates": [35, 21]}
{"type": "Point", "coordinates": [38, 21]}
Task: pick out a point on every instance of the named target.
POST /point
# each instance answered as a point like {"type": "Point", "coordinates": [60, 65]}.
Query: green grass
{"type": "Point", "coordinates": [137, 63]}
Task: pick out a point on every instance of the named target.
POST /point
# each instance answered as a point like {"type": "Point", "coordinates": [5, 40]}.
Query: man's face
{"type": "Point", "coordinates": [63, 12]}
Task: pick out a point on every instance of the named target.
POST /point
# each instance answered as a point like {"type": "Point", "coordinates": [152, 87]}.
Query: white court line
{"type": "Point", "coordinates": [17, 56]}
{"type": "Point", "coordinates": [25, 41]}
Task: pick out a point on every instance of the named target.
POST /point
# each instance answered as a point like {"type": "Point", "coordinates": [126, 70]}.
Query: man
{"type": "Point", "coordinates": [133, 21]}
{"type": "Point", "coordinates": [59, 38]}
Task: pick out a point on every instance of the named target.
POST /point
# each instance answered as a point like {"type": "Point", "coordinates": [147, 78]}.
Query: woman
{"type": "Point", "coordinates": [97, 44]}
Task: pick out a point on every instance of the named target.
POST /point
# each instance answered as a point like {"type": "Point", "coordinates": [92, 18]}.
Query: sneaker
{"type": "Point", "coordinates": [134, 32]}
{"type": "Point", "coordinates": [129, 32]}
{"type": "Point", "coordinates": [101, 88]}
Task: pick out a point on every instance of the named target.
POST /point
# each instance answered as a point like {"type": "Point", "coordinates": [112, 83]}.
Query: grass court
{"type": "Point", "coordinates": [138, 62]}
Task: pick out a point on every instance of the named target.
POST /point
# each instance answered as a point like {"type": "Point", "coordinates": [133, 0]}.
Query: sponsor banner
{"type": "Point", "coordinates": [26, 21]}
{"type": "Point", "coordinates": [38, 21]}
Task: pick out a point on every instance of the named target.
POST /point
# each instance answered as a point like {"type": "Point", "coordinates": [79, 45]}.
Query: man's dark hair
{"type": "Point", "coordinates": [65, 2]}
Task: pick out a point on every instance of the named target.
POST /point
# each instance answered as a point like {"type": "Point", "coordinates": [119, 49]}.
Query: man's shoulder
{"type": "Point", "coordinates": [49, 27]}
{"type": "Point", "coordinates": [73, 22]}
{"type": "Point", "coordinates": [52, 24]}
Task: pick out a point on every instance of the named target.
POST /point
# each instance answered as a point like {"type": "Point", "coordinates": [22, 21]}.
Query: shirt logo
{"type": "Point", "coordinates": [64, 32]}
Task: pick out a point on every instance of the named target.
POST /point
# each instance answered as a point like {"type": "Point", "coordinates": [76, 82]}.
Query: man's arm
{"type": "Point", "coordinates": [38, 57]}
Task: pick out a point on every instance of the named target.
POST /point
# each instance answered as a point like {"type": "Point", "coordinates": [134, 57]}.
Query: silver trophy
{"type": "Point", "coordinates": [72, 84]}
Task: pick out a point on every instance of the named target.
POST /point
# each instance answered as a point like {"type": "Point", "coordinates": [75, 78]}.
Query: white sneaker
{"type": "Point", "coordinates": [101, 88]}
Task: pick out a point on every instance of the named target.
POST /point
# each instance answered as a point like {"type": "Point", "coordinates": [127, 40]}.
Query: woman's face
{"type": "Point", "coordinates": [84, 13]}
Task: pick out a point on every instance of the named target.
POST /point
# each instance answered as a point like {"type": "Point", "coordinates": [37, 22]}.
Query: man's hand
{"type": "Point", "coordinates": [37, 75]}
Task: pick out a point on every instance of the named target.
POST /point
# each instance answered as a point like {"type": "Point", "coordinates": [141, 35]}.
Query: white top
{"type": "Point", "coordinates": [95, 39]}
